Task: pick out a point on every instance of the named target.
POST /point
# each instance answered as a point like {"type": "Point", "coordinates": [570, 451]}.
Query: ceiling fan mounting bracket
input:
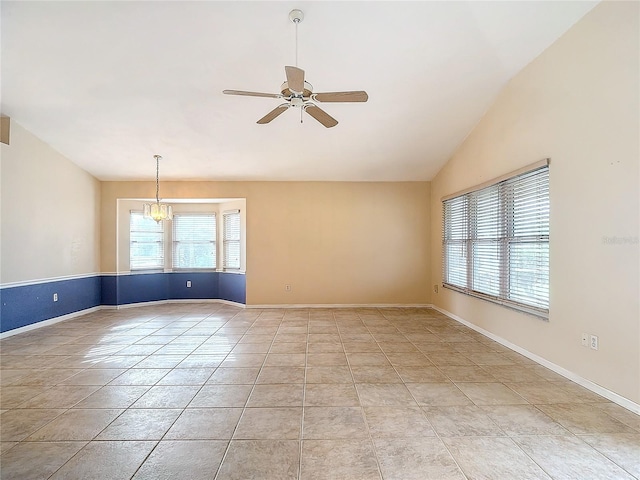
{"type": "Point", "coordinates": [296, 16]}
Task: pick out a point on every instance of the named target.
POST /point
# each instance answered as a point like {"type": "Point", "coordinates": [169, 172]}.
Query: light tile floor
{"type": "Point", "coordinates": [204, 391]}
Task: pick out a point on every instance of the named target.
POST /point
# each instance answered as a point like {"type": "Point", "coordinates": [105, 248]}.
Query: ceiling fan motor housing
{"type": "Point", "coordinates": [286, 92]}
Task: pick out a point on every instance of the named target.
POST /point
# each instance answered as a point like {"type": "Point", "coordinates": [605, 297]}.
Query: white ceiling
{"type": "Point", "coordinates": [109, 84]}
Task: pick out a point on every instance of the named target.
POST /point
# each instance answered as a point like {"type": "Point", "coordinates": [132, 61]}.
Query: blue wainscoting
{"type": "Point", "coordinates": [28, 304]}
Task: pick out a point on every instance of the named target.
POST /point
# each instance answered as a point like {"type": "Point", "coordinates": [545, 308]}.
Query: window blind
{"type": "Point", "coordinates": [231, 236]}
{"type": "Point", "coordinates": [146, 243]}
{"type": "Point", "coordinates": [194, 240]}
{"type": "Point", "coordinates": [496, 241]}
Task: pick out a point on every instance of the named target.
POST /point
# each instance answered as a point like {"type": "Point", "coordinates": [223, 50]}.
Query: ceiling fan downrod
{"type": "Point", "coordinates": [296, 16]}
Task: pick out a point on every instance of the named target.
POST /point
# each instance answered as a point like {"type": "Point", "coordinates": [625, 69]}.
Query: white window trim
{"type": "Point", "coordinates": [532, 310]}
{"type": "Point", "coordinates": [225, 242]}
{"type": "Point", "coordinates": [173, 243]}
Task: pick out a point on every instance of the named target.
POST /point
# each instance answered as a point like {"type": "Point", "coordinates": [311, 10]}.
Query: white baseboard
{"type": "Point", "coordinates": [50, 321]}
{"type": "Point", "coordinates": [588, 384]}
{"type": "Point", "coordinates": [178, 300]}
{"type": "Point", "coordinates": [343, 305]}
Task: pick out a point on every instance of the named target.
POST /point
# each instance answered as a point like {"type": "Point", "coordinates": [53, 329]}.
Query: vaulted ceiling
{"type": "Point", "coordinates": [110, 84]}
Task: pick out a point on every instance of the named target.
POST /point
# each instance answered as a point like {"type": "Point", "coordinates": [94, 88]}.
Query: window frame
{"type": "Point", "coordinates": [461, 210]}
{"type": "Point", "coordinates": [161, 232]}
{"type": "Point", "coordinates": [226, 241]}
{"type": "Point", "coordinates": [175, 242]}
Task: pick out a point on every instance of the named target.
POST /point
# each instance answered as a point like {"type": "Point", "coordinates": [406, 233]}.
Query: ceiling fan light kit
{"type": "Point", "coordinates": [298, 93]}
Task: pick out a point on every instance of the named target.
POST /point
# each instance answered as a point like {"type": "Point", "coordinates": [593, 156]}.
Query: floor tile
{"type": "Point", "coordinates": [261, 460]}
{"type": "Point", "coordinates": [490, 394]}
{"type": "Point", "coordinates": [292, 389]}
{"type": "Point", "coordinates": [205, 424]}
{"type": "Point", "coordinates": [76, 424]}
{"type": "Point", "coordinates": [234, 376]}
{"type": "Point", "coordinates": [375, 374]}
{"type": "Point", "coordinates": [330, 395]}
{"type": "Point", "coordinates": [333, 423]}
{"type": "Point", "coordinates": [457, 421]}
{"type": "Point", "coordinates": [166, 397]}
{"type": "Point", "coordinates": [16, 425]}
{"type": "Point", "coordinates": [36, 460]}
{"type": "Point", "coordinates": [466, 373]}
{"type": "Point", "coordinates": [539, 393]}
{"type": "Point", "coordinates": [276, 396]}
{"type": "Point", "coordinates": [397, 422]}
{"type": "Point", "coordinates": [339, 459]}
{"type": "Point", "coordinates": [113, 396]}
{"type": "Point", "coordinates": [421, 374]}
{"type": "Point", "coordinates": [61, 396]}
{"type": "Point", "coordinates": [326, 359]}
{"type": "Point", "coordinates": [416, 459]}
{"type": "Point", "coordinates": [140, 424]}
{"type": "Point", "coordinates": [584, 419]}
{"type": "Point", "coordinates": [50, 376]}
{"type": "Point", "coordinates": [438, 394]}
{"type": "Point", "coordinates": [569, 457]}
{"type": "Point", "coordinates": [281, 375]}
{"type": "Point", "coordinates": [105, 460]}
{"type": "Point", "coordinates": [140, 376]}
{"type": "Point", "coordinates": [12, 396]}
{"type": "Point", "coordinates": [332, 374]}
{"type": "Point", "coordinates": [286, 360]}
{"type": "Point", "coordinates": [493, 458]}
{"type": "Point", "coordinates": [269, 423]}
{"type": "Point", "coordinates": [524, 420]}
{"type": "Point", "coordinates": [621, 448]}
{"type": "Point", "coordinates": [171, 459]}
{"type": "Point", "coordinates": [374, 395]}
{"type": "Point", "coordinates": [359, 359]}
{"type": "Point", "coordinates": [186, 376]}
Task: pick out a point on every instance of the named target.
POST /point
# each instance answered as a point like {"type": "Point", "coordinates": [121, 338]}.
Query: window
{"type": "Point", "coordinates": [496, 241]}
{"type": "Point", "coordinates": [194, 240]}
{"type": "Point", "coordinates": [146, 237]}
{"type": "Point", "coordinates": [231, 243]}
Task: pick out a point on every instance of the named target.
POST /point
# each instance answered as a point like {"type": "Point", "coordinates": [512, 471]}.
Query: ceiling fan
{"type": "Point", "coordinates": [298, 93]}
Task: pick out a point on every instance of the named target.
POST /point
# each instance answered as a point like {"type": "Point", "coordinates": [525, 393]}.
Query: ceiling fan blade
{"type": "Point", "coordinates": [273, 113]}
{"type": "Point", "coordinates": [320, 115]}
{"type": "Point", "coordinates": [251, 94]}
{"type": "Point", "coordinates": [295, 79]}
{"type": "Point", "coordinates": [358, 96]}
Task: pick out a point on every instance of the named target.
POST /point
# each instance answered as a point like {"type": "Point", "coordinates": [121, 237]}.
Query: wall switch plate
{"type": "Point", "coordinates": [585, 339]}
{"type": "Point", "coordinates": [55, 297]}
{"type": "Point", "coordinates": [594, 342]}
{"type": "Point", "coordinates": [188, 283]}
{"type": "Point", "coordinates": [435, 288]}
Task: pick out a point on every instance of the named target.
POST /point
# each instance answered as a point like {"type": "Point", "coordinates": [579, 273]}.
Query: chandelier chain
{"type": "Point", "coordinates": [158, 157]}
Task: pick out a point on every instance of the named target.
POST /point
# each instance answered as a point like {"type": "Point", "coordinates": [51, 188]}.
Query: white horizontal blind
{"type": "Point", "coordinates": [231, 235]}
{"type": "Point", "coordinates": [194, 240]}
{"type": "Point", "coordinates": [146, 243]}
{"type": "Point", "coordinates": [496, 241]}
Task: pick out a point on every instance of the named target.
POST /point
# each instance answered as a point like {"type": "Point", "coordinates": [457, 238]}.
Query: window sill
{"type": "Point", "coordinates": [535, 312]}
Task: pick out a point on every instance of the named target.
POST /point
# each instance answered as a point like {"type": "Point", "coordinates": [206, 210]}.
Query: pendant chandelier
{"type": "Point", "coordinates": [157, 211]}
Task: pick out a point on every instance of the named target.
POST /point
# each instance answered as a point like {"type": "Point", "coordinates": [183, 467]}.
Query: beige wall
{"type": "Point", "coordinates": [578, 103]}
{"type": "Point", "coordinates": [50, 213]}
{"type": "Point", "coordinates": [334, 243]}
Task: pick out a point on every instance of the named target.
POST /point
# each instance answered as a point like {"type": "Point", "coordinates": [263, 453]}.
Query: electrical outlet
{"type": "Point", "coordinates": [435, 288]}
{"type": "Point", "coordinates": [594, 342]}
{"type": "Point", "coordinates": [55, 297]}
{"type": "Point", "coordinates": [585, 339]}
{"type": "Point", "coordinates": [287, 288]}
{"type": "Point", "coordinates": [188, 283]}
